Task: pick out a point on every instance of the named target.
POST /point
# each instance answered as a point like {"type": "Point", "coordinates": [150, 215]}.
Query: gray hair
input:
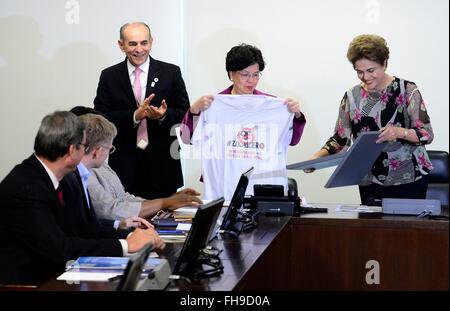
{"type": "Point", "coordinates": [98, 130]}
{"type": "Point", "coordinates": [56, 133]}
{"type": "Point", "coordinates": [122, 29]}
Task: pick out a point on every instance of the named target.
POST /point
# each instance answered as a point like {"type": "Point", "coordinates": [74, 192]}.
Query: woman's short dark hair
{"type": "Point", "coordinates": [242, 56]}
{"type": "Point", "coordinates": [371, 47]}
{"type": "Point", "coordinates": [57, 132]}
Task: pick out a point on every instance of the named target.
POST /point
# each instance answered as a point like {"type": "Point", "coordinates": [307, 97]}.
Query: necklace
{"type": "Point", "coordinates": [377, 94]}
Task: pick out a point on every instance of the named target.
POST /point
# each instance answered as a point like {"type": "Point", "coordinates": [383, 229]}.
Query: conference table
{"type": "Point", "coordinates": [321, 251]}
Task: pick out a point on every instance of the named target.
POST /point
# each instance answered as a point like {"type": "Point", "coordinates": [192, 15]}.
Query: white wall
{"type": "Point", "coordinates": [47, 62]}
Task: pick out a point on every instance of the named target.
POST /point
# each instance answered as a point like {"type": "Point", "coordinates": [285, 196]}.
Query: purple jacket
{"type": "Point", "coordinates": [188, 124]}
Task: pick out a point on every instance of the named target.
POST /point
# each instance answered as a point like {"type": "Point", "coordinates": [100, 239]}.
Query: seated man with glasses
{"type": "Point", "coordinates": [103, 188]}
{"type": "Point", "coordinates": [99, 135]}
{"type": "Point", "coordinates": [244, 66]}
{"type": "Point", "coordinates": [86, 147]}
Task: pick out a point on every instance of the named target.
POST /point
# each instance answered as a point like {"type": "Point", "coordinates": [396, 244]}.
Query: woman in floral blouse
{"type": "Point", "coordinates": [394, 107]}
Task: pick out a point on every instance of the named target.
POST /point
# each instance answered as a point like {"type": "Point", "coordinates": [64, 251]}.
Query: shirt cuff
{"type": "Point", "coordinates": [300, 116]}
{"type": "Point", "coordinates": [193, 114]}
{"type": "Point", "coordinates": [116, 224]}
{"type": "Point", "coordinates": [135, 122]}
{"type": "Point", "coordinates": [124, 247]}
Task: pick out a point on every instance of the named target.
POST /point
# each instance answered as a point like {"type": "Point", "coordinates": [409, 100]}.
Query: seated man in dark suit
{"type": "Point", "coordinates": [42, 226]}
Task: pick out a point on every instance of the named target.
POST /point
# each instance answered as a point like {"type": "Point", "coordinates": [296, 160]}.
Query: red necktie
{"type": "Point", "coordinates": [60, 196]}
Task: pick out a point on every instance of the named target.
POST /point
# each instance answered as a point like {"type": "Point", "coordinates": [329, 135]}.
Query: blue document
{"type": "Point", "coordinates": [165, 223]}
{"type": "Point", "coordinates": [107, 263]}
{"type": "Point", "coordinates": [170, 232]}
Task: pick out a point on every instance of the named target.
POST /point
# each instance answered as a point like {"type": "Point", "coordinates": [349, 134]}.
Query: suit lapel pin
{"type": "Point", "coordinates": [154, 82]}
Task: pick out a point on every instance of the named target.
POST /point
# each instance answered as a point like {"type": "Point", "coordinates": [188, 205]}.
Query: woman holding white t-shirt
{"type": "Point", "coordinates": [244, 65]}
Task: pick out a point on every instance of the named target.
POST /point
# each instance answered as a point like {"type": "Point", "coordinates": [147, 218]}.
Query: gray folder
{"type": "Point", "coordinates": [352, 165]}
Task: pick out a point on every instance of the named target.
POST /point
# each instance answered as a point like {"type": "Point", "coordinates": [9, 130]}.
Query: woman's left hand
{"type": "Point", "coordinates": [388, 133]}
{"type": "Point", "coordinates": [293, 106]}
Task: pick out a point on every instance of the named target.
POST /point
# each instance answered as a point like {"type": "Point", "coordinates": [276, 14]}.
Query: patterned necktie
{"type": "Point", "coordinates": [142, 135]}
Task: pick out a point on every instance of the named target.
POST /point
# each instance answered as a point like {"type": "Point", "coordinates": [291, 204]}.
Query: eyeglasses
{"type": "Point", "coordinates": [110, 149]}
{"type": "Point", "coordinates": [247, 75]}
{"type": "Point", "coordinates": [86, 147]}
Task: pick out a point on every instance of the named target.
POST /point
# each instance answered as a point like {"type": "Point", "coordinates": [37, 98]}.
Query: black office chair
{"type": "Point", "coordinates": [438, 178]}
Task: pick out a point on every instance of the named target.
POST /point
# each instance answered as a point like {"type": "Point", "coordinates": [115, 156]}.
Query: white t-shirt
{"type": "Point", "coordinates": [238, 132]}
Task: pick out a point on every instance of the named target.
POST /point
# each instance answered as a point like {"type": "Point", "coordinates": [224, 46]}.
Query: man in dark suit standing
{"type": "Point", "coordinates": [42, 224]}
{"type": "Point", "coordinates": [145, 99]}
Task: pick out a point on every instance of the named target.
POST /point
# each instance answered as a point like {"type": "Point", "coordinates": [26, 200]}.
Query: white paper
{"type": "Point", "coordinates": [304, 203]}
{"type": "Point", "coordinates": [79, 276]}
{"type": "Point", "coordinates": [185, 211]}
{"type": "Point", "coordinates": [358, 209]}
{"type": "Point", "coordinates": [188, 209]}
{"type": "Point", "coordinates": [173, 239]}
{"type": "Point", "coordinates": [184, 226]}
{"type": "Point", "coordinates": [153, 255]}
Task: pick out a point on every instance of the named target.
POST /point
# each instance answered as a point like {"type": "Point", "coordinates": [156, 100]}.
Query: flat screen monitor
{"type": "Point", "coordinates": [229, 222]}
{"type": "Point", "coordinates": [135, 266]}
{"type": "Point", "coordinates": [202, 227]}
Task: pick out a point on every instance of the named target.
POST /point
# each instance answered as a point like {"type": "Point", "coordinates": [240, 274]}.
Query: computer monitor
{"type": "Point", "coordinates": [132, 274]}
{"type": "Point", "coordinates": [230, 224]}
{"type": "Point", "coordinates": [202, 227]}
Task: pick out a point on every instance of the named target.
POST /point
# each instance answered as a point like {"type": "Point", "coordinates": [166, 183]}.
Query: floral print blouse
{"type": "Point", "coordinates": [399, 104]}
